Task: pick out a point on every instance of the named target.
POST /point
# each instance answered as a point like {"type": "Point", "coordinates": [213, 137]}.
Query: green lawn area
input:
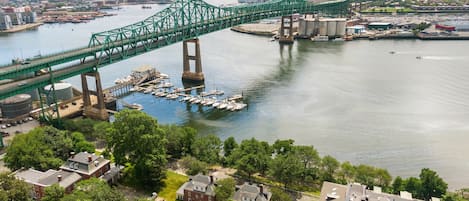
{"type": "Point", "coordinates": [172, 182]}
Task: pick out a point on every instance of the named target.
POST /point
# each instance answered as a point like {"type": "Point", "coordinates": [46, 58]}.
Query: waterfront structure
{"type": "Point", "coordinates": [379, 26]}
{"type": "Point", "coordinates": [198, 188]}
{"type": "Point", "coordinates": [5, 21]}
{"type": "Point", "coordinates": [38, 180]}
{"type": "Point", "coordinates": [87, 165]}
{"type": "Point", "coordinates": [253, 192]}
{"type": "Point", "coordinates": [313, 26]}
{"type": "Point", "coordinates": [156, 31]}
{"type": "Point", "coordinates": [357, 192]}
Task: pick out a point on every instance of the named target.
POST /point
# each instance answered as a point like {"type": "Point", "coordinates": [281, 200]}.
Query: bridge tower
{"type": "Point", "coordinates": [286, 30]}
{"type": "Point", "coordinates": [187, 74]}
{"type": "Point", "coordinates": [97, 111]}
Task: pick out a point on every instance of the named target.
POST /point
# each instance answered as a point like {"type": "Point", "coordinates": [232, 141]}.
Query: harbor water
{"type": "Point", "coordinates": [353, 100]}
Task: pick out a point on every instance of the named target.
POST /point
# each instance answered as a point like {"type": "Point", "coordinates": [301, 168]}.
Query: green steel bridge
{"type": "Point", "coordinates": [182, 20]}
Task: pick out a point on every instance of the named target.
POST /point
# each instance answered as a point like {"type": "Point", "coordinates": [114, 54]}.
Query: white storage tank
{"type": "Point", "coordinates": [340, 30]}
{"type": "Point", "coordinates": [323, 28]}
{"type": "Point", "coordinates": [331, 28]}
{"type": "Point", "coordinates": [16, 105]}
{"type": "Point", "coordinates": [63, 91]}
{"type": "Point", "coordinates": [311, 24]}
{"type": "Point", "coordinates": [302, 27]}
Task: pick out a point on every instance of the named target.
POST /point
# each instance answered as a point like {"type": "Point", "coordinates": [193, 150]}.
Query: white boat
{"type": "Point", "coordinates": [240, 106]}
{"type": "Point", "coordinates": [133, 89]}
{"type": "Point", "coordinates": [319, 38]}
{"type": "Point", "coordinates": [216, 104]}
{"type": "Point", "coordinates": [164, 76]}
{"type": "Point", "coordinates": [338, 40]}
{"type": "Point", "coordinates": [172, 96]}
{"type": "Point", "coordinates": [210, 101]}
{"type": "Point", "coordinates": [197, 101]}
{"type": "Point", "coordinates": [162, 94]}
{"type": "Point", "coordinates": [204, 93]}
{"type": "Point", "coordinates": [235, 97]}
{"type": "Point", "coordinates": [135, 106]}
{"type": "Point", "coordinates": [148, 90]}
{"type": "Point", "coordinates": [186, 98]}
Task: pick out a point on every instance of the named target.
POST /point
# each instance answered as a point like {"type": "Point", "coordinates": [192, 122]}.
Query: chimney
{"type": "Point", "coordinates": [59, 178]}
{"type": "Point", "coordinates": [72, 154]}
{"type": "Point", "coordinates": [211, 179]}
{"type": "Point", "coordinates": [90, 158]}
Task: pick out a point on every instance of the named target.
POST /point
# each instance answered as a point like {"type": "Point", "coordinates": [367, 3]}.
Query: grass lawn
{"type": "Point", "coordinates": [172, 182]}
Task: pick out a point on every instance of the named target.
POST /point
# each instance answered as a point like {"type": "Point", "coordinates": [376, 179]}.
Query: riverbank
{"type": "Point", "coordinates": [23, 27]}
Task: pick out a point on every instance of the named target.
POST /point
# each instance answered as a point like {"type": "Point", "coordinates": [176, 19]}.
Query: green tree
{"type": "Point", "coordinates": [329, 166]}
{"type": "Point", "coordinates": [414, 186]}
{"type": "Point", "coordinates": [136, 139]}
{"type": "Point", "coordinates": [453, 197]}
{"type": "Point", "coordinates": [225, 189]}
{"type": "Point", "coordinates": [347, 173]}
{"type": "Point", "coordinates": [432, 184]}
{"type": "Point", "coordinates": [53, 193]}
{"type": "Point", "coordinates": [13, 189]}
{"type": "Point", "coordinates": [80, 144]}
{"type": "Point", "coordinates": [279, 195]}
{"type": "Point", "coordinates": [283, 146]}
{"type": "Point", "coordinates": [94, 190]}
{"type": "Point", "coordinates": [193, 165]}
{"type": "Point", "coordinates": [180, 140]}
{"type": "Point", "coordinates": [310, 159]}
{"type": "Point", "coordinates": [286, 168]}
{"type": "Point", "coordinates": [398, 185]}
{"type": "Point", "coordinates": [229, 145]}
{"type": "Point", "coordinates": [383, 178]}
{"type": "Point", "coordinates": [207, 148]}
{"type": "Point", "coordinates": [31, 151]}
{"type": "Point", "coordinates": [251, 156]}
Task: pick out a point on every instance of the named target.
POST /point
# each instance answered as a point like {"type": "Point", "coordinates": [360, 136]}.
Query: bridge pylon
{"type": "Point", "coordinates": [97, 111]}
{"type": "Point", "coordinates": [187, 74]}
{"type": "Point", "coordinates": [286, 30]}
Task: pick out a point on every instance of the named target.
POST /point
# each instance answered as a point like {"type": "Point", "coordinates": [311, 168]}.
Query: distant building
{"type": "Point", "coordinates": [40, 180]}
{"type": "Point", "coordinates": [251, 192]}
{"type": "Point", "coordinates": [5, 21]}
{"type": "Point", "coordinates": [379, 26]}
{"type": "Point", "coordinates": [198, 188]}
{"type": "Point", "coordinates": [87, 165]}
{"type": "Point", "coordinates": [357, 192]}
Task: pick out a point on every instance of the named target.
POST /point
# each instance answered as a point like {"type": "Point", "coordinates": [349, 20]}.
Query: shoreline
{"type": "Point", "coordinates": [19, 28]}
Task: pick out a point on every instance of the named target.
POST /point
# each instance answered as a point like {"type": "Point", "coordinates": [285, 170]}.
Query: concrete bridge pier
{"type": "Point", "coordinates": [187, 74]}
{"type": "Point", "coordinates": [286, 30]}
{"type": "Point", "coordinates": [97, 111]}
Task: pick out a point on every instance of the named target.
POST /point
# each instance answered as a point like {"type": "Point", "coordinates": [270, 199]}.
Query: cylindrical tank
{"type": "Point", "coordinates": [323, 28]}
{"type": "Point", "coordinates": [63, 91]}
{"type": "Point", "coordinates": [309, 27]}
{"type": "Point", "coordinates": [340, 31]}
{"type": "Point", "coordinates": [302, 27]}
{"type": "Point", "coordinates": [331, 28]}
{"type": "Point", "coordinates": [16, 105]}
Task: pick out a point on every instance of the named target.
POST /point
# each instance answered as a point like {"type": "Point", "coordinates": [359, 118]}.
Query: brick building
{"type": "Point", "coordinates": [40, 180]}
{"type": "Point", "coordinates": [87, 165]}
{"type": "Point", "coordinates": [198, 188]}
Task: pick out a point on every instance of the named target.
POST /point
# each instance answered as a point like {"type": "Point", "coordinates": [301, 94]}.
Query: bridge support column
{"type": "Point", "coordinates": [286, 30]}
{"type": "Point", "coordinates": [187, 74]}
{"type": "Point", "coordinates": [97, 111]}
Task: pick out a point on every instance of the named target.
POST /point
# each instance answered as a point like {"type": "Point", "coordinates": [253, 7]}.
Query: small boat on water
{"type": "Point", "coordinates": [167, 85]}
{"type": "Point", "coordinates": [216, 104]}
{"type": "Point", "coordinates": [185, 99]}
{"type": "Point", "coordinates": [164, 76]}
{"type": "Point", "coordinates": [172, 96]}
{"type": "Point", "coordinates": [134, 106]}
{"type": "Point", "coordinates": [320, 38]}
{"type": "Point", "coordinates": [235, 97]}
{"type": "Point", "coordinates": [148, 90]}
{"type": "Point", "coordinates": [210, 101]}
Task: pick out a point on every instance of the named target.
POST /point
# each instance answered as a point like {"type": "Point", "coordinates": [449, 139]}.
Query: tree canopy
{"type": "Point", "coordinates": [94, 189]}
{"type": "Point", "coordinates": [225, 189]}
{"type": "Point", "coordinates": [13, 189]}
{"type": "Point", "coordinates": [136, 138]}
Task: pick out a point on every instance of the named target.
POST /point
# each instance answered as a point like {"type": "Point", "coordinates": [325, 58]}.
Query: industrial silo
{"type": "Point", "coordinates": [302, 27]}
{"type": "Point", "coordinates": [340, 31]}
{"type": "Point", "coordinates": [16, 105]}
{"type": "Point", "coordinates": [310, 25]}
{"type": "Point", "coordinates": [331, 28]}
{"type": "Point", "coordinates": [323, 28]}
{"type": "Point", "coordinates": [63, 91]}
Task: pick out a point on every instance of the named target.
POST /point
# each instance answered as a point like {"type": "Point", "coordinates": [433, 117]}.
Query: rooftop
{"type": "Point", "coordinates": [252, 192]}
{"type": "Point", "coordinates": [48, 178]}
{"type": "Point", "coordinates": [84, 163]}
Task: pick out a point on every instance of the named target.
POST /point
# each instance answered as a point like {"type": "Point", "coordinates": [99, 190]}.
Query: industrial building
{"type": "Point", "coordinates": [5, 21]}
{"type": "Point", "coordinates": [15, 106]}
{"type": "Point", "coordinates": [379, 26]}
{"type": "Point", "coordinates": [331, 27]}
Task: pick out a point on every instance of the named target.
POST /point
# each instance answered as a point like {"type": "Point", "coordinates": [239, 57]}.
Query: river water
{"type": "Point", "coordinates": [353, 100]}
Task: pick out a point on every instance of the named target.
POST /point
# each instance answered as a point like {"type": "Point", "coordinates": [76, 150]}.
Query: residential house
{"type": "Point", "coordinates": [251, 192]}
{"type": "Point", "coordinates": [357, 192]}
{"type": "Point", "coordinates": [198, 188]}
{"type": "Point", "coordinates": [87, 165]}
{"type": "Point", "coordinates": [40, 180]}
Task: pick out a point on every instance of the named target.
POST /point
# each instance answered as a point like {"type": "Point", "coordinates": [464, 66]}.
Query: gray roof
{"type": "Point", "coordinates": [358, 192]}
{"type": "Point", "coordinates": [251, 192]}
{"type": "Point", "coordinates": [49, 177]}
{"type": "Point", "coordinates": [333, 192]}
{"type": "Point", "coordinates": [200, 183]}
{"type": "Point", "coordinates": [81, 164]}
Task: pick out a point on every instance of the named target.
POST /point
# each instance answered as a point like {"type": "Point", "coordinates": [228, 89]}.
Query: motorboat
{"type": "Point", "coordinates": [186, 98]}
{"type": "Point", "coordinates": [320, 38]}
{"type": "Point", "coordinates": [134, 106]}
{"type": "Point", "coordinates": [216, 104]}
